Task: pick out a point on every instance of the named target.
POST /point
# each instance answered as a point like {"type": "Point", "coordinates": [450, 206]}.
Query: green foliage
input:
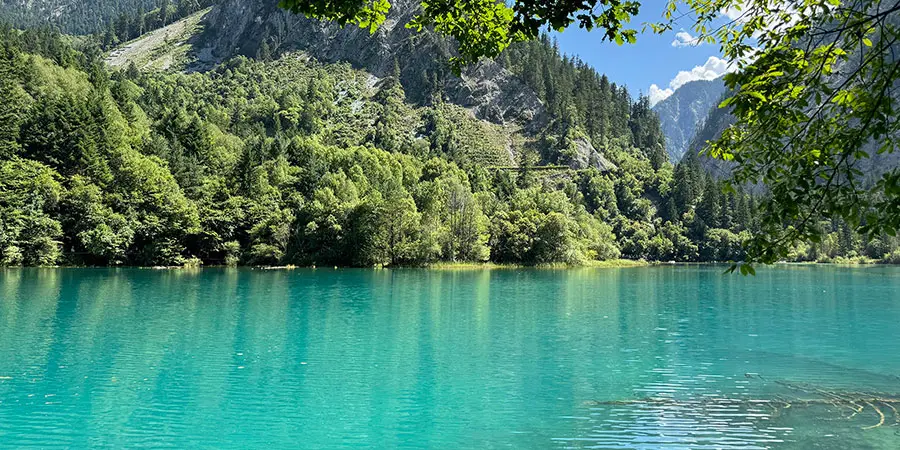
{"type": "Point", "coordinates": [103, 233]}
{"type": "Point", "coordinates": [112, 22]}
{"type": "Point", "coordinates": [161, 215]}
{"type": "Point", "coordinates": [812, 87]}
{"type": "Point", "coordinates": [29, 192]}
{"type": "Point", "coordinates": [813, 101]}
{"type": "Point", "coordinates": [293, 162]}
{"type": "Point", "coordinates": [369, 15]}
{"type": "Point", "coordinates": [452, 131]}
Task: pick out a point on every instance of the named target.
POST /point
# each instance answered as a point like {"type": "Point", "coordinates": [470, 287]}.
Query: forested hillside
{"type": "Point", "coordinates": [281, 159]}
{"type": "Point", "coordinates": [81, 16]}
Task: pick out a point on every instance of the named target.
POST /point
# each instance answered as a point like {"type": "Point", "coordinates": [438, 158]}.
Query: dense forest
{"type": "Point", "coordinates": [283, 160]}
{"type": "Point", "coordinates": [126, 19]}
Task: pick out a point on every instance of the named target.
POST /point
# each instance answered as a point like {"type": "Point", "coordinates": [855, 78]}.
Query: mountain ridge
{"type": "Point", "coordinates": [684, 113]}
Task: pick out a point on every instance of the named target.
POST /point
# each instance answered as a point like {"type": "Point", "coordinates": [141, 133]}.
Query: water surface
{"type": "Point", "coordinates": [239, 359]}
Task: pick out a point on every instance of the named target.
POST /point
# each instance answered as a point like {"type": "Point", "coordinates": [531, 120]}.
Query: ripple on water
{"type": "Point", "coordinates": [238, 359]}
{"type": "Point", "coordinates": [686, 424]}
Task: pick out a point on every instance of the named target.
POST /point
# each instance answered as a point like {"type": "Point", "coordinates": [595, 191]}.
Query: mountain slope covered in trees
{"type": "Point", "coordinates": [258, 28]}
{"type": "Point", "coordinates": [89, 16]}
{"type": "Point", "coordinates": [284, 159]}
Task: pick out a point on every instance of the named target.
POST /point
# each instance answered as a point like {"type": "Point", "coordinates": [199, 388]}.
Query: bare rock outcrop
{"type": "Point", "coordinates": [241, 27]}
{"type": "Point", "coordinates": [586, 156]}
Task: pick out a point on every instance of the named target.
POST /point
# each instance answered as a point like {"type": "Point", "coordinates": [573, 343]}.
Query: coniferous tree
{"type": "Point", "coordinates": [12, 114]}
{"type": "Point", "coordinates": [391, 98]}
{"type": "Point", "coordinates": [164, 7]}
{"type": "Point", "coordinates": [648, 135]}
{"type": "Point", "coordinates": [709, 209]}
{"type": "Point", "coordinates": [265, 52]}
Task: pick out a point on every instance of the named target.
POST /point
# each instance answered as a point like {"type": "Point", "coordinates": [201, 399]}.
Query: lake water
{"type": "Point", "coordinates": [668, 357]}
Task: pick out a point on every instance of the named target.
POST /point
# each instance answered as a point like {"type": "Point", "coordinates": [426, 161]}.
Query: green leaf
{"type": "Point", "coordinates": [755, 94]}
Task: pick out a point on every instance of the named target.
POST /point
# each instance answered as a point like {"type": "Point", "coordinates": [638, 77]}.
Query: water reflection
{"type": "Point", "coordinates": [459, 359]}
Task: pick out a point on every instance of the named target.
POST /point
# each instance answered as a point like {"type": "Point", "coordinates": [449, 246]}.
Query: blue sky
{"type": "Point", "coordinates": [653, 61]}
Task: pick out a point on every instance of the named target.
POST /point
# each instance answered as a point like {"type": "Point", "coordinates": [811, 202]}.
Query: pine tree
{"type": "Point", "coordinates": [132, 71]}
{"type": "Point", "coordinates": [164, 13]}
{"type": "Point", "coordinates": [391, 98]}
{"type": "Point", "coordinates": [688, 178]}
{"type": "Point", "coordinates": [647, 134]}
{"type": "Point", "coordinates": [264, 53]}
{"type": "Point", "coordinates": [141, 21]}
{"type": "Point", "coordinates": [742, 219]}
{"type": "Point", "coordinates": [709, 210]}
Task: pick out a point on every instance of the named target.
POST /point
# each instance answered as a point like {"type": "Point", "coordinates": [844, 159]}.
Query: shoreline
{"type": "Point", "coordinates": [444, 266]}
{"type": "Point", "coordinates": [616, 263]}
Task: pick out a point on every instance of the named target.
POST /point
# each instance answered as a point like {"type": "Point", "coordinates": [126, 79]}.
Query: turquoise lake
{"type": "Point", "coordinates": [580, 358]}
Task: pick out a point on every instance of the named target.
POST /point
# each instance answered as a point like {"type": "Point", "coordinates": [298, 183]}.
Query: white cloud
{"type": "Point", "coordinates": [735, 12]}
{"type": "Point", "coordinates": [684, 39]}
{"type": "Point", "coordinates": [714, 68]}
{"type": "Point", "coordinates": [742, 12]}
{"type": "Point", "coordinates": [657, 95]}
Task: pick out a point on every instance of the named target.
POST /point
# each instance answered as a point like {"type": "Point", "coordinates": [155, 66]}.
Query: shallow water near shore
{"type": "Point", "coordinates": [649, 357]}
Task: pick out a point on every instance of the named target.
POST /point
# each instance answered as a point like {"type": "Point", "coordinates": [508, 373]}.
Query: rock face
{"type": "Point", "coordinates": [587, 156]}
{"type": "Point", "coordinates": [490, 91]}
{"type": "Point", "coordinates": [717, 120]}
{"type": "Point", "coordinates": [684, 113]}
{"type": "Point", "coordinates": [713, 125]}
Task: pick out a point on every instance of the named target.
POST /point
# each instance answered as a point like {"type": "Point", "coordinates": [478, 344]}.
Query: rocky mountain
{"type": "Point", "coordinates": [248, 26]}
{"type": "Point", "coordinates": [201, 41]}
{"type": "Point", "coordinates": [712, 126]}
{"type": "Point", "coordinates": [684, 113]}
{"type": "Point", "coordinates": [717, 120]}
{"type": "Point", "coordinates": [259, 29]}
